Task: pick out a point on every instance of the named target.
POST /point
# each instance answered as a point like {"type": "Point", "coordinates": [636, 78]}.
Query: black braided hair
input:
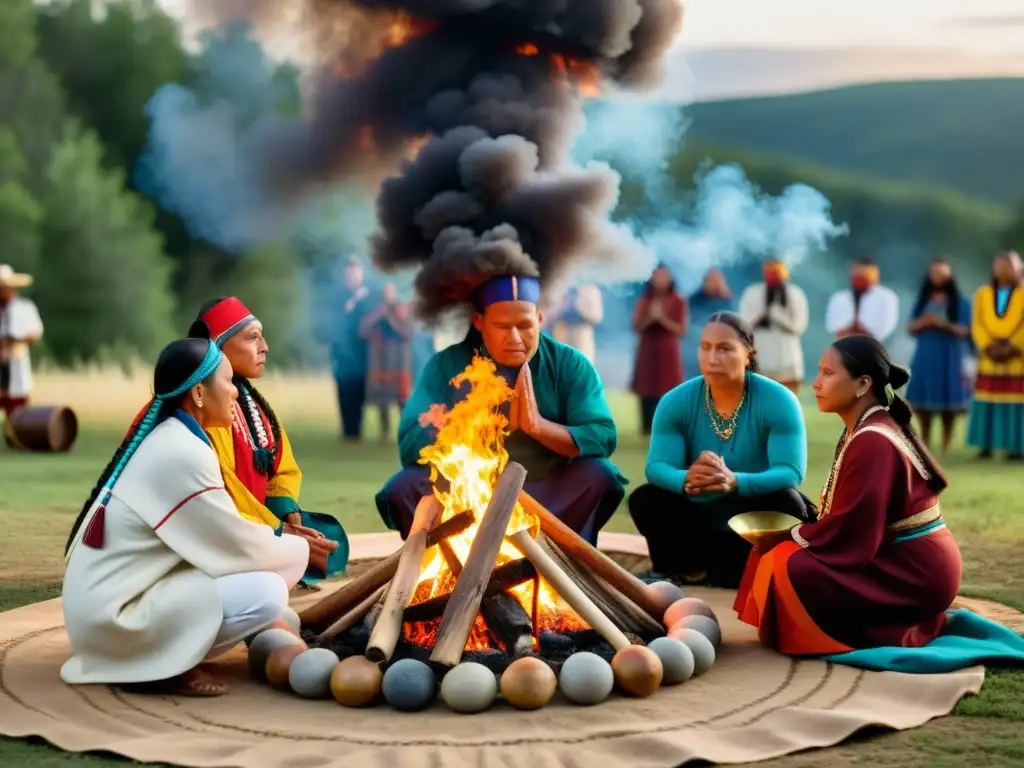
{"type": "Point", "coordinates": [200, 330]}
{"type": "Point", "coordinates": [176, 363]}
{"type": "Point", "coordinates": [866, 356]}
{"type": "Point", "coordinates": [743, 331]}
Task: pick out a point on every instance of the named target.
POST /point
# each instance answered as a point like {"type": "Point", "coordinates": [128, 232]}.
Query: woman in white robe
{"type": "Point", "coordinates": [162, 572]}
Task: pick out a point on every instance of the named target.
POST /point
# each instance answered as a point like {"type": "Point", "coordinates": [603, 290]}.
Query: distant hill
{"type": "Point", "coordinates": [962, 134]}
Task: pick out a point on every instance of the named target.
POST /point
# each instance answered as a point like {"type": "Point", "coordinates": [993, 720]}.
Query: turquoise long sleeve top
{"type": "Point", "coordinates": [767, 452]}
{"type": "Point", "coordinates": [568, 389]}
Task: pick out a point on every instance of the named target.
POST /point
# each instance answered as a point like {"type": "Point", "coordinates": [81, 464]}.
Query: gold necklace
{"type": "Point", "coordinates": [725, 428]}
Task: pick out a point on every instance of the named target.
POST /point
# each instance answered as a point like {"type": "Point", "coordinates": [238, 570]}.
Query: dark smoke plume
{"type": "Point", "coordinates": [493, 87]}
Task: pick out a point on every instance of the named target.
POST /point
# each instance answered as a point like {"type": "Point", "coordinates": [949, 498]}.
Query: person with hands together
{"type": "Point", "coordinates": [726, 442]}
{"type": "Point", "coordinates": [559, 425]}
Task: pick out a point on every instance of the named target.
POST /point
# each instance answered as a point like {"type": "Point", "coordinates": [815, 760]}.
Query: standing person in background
{"type": "Point", "coordinates": [997, 412]}
{"type": "Point", "coordinates": [714, 296]}
{"type": "Point", "coordinates": [777, 310]}
{"type": "Point", "coordinates": [20, 328]}
{"type": "Point", "coordinates": [941, 322]}
{"type": "Point", "coordinates": [574, 320]}
{"type": "Point", "coordinates": [389, 333]}
{"type": "Point", "coordinates": [866, 307]}
{"type": "Point", "coordinates": [660, 318]}
{"type": "Point", "coordinates": [349, 355]}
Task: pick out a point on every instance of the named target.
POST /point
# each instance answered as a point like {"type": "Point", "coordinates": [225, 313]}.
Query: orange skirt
{"type": "Point", "coordinates": [766, 600]}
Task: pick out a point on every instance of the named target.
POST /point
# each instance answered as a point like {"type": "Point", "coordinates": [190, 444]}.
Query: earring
{"type": "Point", "coordinates": [199, 403]}
{"type": "Point", "coordinates": [859, 395]}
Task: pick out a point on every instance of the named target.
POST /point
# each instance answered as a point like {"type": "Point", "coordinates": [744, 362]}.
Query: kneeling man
{"type": "Point", "coordinates": [562, 431]}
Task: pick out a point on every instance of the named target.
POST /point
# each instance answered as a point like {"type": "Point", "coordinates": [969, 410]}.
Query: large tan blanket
{"type": "Point", "coordinates": [752, 705]}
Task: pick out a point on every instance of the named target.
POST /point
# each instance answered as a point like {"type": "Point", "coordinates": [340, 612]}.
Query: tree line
{"type": "Point", "coordinates": [117, 274]}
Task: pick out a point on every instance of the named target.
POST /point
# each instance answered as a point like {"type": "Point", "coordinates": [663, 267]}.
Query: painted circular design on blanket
{"type": "Point", "coordinates": [752, 705]}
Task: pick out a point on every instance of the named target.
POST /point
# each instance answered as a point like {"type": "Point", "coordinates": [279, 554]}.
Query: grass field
{"type": "Point", "coordinates": [40, 495]}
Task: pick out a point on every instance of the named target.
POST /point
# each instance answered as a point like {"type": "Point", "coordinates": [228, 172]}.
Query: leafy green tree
{"type": "Point", "coordinates": [103, 284]}
{"type": "Point", "coordinates": [31, 100]}
{"type": "Point", "coordinates": [111, 57]}
{"type": "Point", "coordinates": [20, 212]}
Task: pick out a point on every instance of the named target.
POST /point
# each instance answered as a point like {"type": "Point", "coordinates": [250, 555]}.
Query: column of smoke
{"type": "Point", "coordinates": [493, 89]}
{"type": "Point", "coordinates": [489, 92]}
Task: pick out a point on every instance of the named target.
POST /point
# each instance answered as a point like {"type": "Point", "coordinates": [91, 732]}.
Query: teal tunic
{"type": "Point", "coordinates": [568, 389]}
{"type": "Point", "coordinates": [767, 453]}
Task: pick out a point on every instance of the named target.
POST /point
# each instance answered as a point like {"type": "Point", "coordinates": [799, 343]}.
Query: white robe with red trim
{"type": "Point", "coordinates": [145, 606]}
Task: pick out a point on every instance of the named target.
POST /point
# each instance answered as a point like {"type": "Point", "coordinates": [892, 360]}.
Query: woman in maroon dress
{"type": "Point", "coordinates": [879, 567]}
{"type": "Point", "coordinates": [660, 318]}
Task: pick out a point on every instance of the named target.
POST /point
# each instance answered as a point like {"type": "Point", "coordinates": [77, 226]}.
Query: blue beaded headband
{"type": "Point", "coordinates": [148, 422]}
{"type": "Point", "coordinates": [508, 288]}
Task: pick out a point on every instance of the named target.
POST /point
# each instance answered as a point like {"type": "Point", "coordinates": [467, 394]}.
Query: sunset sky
{"type": "Point", "coordinates": [979, 26]}
{"type": "Point", "coordinates": [732, 48]}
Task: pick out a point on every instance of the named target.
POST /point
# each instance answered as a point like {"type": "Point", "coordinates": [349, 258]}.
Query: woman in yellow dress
{"type": "Point", "coordinates": [259, 468]}
{"type": "Point", "coordinates": [996, 420]}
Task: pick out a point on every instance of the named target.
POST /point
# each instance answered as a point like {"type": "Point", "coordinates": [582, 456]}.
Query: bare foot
{"type": "Point", "coordinates": [195, 682]}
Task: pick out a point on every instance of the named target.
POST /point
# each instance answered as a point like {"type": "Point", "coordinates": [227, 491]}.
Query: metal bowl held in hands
{"type": "Point", "coordinates": [763, 529]}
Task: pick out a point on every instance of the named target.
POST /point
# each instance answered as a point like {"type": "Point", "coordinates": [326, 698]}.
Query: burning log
{"type": "Point", "coordinates": [627, 615]}
{"type": "Point", "coordinates": [349, 595]}
{"type": "Point", "coordinates": [509, 622]}
{"type": "Point", "coordinates": [569, 590]}
{"type": "Point", "coordinates": [460, 613]}
{"type": "Point", "coordinates": [503, 578]}
{"type": "Point", "coordinates": [388, 628]}
{"type": "Point", "coordinates": [450, 558]}
{"type": "Point", "coordinates": [353, 616]}
{"type": "Point", "coordinates": [579, 549]}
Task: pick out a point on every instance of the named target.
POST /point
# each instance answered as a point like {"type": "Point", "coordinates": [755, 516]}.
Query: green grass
{"type": "Point", "coordinates": [42, 494]}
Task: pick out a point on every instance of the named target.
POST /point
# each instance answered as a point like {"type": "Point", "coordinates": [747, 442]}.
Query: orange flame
{"type": "Point", "coordinates": [470, 454]}
{"type": "Point", "coordinates": [403, 28]}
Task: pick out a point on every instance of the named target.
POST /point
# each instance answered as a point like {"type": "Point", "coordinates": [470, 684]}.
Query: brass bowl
{"type": "Point", "coordinates": [761, 528]}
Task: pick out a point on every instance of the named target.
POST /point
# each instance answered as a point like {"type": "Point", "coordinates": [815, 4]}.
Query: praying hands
{"type": "Point", "coordinates": [525, 416]}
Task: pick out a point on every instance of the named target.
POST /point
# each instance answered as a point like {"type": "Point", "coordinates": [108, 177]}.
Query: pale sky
{"type": "Point", "coordinates": [732, 48]}
{"type": "Point", "coordinates": [976, 25]}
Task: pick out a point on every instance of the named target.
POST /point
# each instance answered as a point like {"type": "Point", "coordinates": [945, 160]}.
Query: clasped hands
{"type": "Point", "coordinates": [523, 412]}
{"type": "Point", "coordinates": [708, 474]}
{"type": "Point", "coordinates": [1001, 351]}
{"type": "Point", "coordinates": [320, 547]}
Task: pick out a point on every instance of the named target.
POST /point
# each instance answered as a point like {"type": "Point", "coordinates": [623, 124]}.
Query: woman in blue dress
{"type": "Point", "coordinates": [713, 296]}
{"type": "Point", "coordinates": [941, 322]}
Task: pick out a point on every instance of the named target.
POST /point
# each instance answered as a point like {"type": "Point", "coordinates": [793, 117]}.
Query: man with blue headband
{"type": "Point", "coordinates": [561, 429]}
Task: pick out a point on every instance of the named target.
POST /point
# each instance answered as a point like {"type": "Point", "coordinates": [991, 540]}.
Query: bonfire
{"type": "Point", "coordinates": [486, 572]}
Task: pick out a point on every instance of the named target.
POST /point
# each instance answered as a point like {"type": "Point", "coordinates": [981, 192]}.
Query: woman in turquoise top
{"type": "Point", "coordinates": [726, 442]}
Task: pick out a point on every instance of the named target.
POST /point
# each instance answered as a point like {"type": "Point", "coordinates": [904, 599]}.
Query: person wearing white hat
{"type": "Point", "coordinates": [20, 327]}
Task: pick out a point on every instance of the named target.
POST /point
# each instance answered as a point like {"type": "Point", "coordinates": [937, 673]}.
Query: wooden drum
{"type": "Point", "coordinates": [42, 429]}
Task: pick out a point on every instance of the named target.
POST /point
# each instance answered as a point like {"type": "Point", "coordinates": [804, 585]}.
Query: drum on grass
{"type": "Point", "coordinates": [42, 429]}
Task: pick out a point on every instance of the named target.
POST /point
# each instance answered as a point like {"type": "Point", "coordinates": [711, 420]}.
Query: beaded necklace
{"type": "Point", "coordinates": [263, 455]}
{"type": "Point", "coordinates": [725, 428]}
